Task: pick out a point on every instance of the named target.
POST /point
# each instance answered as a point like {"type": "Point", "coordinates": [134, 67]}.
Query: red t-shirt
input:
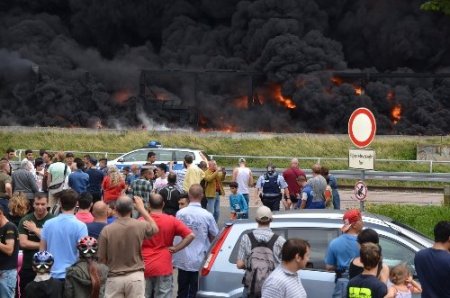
{"type": "Point", "coordinates": [290, 176]}
{"type": "Point", "coordinates": [85, 217]}
{"type": "Point", "coordinates": [155, 252]}
{"type": "Point", "coordinates": [112, 193]}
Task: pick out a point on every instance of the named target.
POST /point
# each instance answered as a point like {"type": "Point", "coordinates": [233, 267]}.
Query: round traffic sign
{"type": "Point", "coordinates": [360, 191]}
{"type": "Point", "coordinates": [362, 127]}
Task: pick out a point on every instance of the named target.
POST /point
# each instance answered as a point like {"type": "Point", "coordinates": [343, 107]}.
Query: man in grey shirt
{"type": "Point", "coordinates": [24, 181]}
{"type": "Point", "coordinates": [284, 281]}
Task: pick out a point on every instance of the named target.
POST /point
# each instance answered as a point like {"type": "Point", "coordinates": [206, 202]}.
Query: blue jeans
{"type": "Point", "coordinates": [340, 289]}
{"type": "Point", "coordinates": [8, 280]}
{"type": "Point", "coordinates": [159, 286]}
{"type": "Point", "coordinates": [213, 206]}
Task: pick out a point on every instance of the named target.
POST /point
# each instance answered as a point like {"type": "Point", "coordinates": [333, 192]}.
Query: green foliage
{"type": "Point", "coordinates": [437, 6]}
{"type": "Point", "coordinates": [421, 218]}
{"type": "Point", "coordinates": [287, 146]}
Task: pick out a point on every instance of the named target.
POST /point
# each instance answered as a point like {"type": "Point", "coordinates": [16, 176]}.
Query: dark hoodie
{"type": "Point", "coordinates": [78, 280]}
{"type": "Point", "coordinates": [44, 287]}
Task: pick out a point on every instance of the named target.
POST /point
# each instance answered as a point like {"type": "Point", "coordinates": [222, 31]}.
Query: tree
{"type": "Point", "coordinates": [437, 5]}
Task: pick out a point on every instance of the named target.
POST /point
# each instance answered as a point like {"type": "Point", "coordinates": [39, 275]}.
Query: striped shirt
{"type": "Point", "coordinates": [284, 284]}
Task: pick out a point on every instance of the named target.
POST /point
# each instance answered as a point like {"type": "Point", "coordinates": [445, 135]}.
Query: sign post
{"type": "Point", "coordinates": [362, 128]}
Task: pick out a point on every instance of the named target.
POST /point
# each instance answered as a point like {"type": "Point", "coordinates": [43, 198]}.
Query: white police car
{"type": "Point", "coordinates": [163, 155]}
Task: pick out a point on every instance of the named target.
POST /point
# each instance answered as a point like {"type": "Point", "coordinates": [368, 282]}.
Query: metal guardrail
{"type": "Point", "coordinates": [320, 160]}
{"type": "Point", "coordinates": [342, 174]}
{"type": "Point", "coordinates": [374, 175]}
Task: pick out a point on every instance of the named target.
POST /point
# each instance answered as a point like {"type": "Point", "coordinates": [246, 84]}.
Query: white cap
{"type": "Point", "coordinates": [263, 214]}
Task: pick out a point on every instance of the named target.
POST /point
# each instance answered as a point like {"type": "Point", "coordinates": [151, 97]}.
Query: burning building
{"type": "Point", "coordinates": [240, 65]}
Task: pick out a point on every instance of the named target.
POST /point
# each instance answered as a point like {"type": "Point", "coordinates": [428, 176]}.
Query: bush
{"type": "Point", "coordinates": [421, 218]}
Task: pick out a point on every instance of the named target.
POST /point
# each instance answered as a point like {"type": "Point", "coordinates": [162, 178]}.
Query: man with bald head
{"type": "Point", "coordinates": [157, 251]}
{"type": "Point", "coordinates": [100, 213]}
{"type": "Point", "coordinates": [189, 260]}
{"type": "Point", "coordinates": [290, 176]}
{"type": "Point", "coordinates": [125, 234]}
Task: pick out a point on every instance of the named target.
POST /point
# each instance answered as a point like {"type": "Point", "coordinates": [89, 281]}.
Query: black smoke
{"type": "Point", "coordinates": [79, 62]}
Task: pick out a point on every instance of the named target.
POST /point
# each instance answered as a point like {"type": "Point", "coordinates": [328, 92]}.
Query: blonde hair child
{"type": "Point", "coordinates": [402, 283]}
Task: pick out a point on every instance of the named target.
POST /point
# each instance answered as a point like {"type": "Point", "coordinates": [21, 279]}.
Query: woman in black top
{"type": "Point", "coordinates": [356, 267]}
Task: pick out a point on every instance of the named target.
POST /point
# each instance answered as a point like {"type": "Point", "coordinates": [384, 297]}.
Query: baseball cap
{"type": "Point", "coordinates": [350, 217]}
{"type": "Point", "coordinates": [263, 214]}
{"type": "Point", "coordinates": [241, 160]}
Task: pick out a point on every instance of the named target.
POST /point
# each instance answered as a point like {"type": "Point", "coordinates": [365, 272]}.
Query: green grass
{"type": "Point", "coordinates": [421, 218]}
{"type": "Point", "coordinates": [298, 145]}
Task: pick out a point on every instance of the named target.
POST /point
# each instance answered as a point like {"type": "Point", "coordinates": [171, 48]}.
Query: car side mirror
{"type": "Point", "coordinates": [120, 160]}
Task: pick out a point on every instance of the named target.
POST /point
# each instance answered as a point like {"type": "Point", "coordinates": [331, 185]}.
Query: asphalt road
{"type": "Point", "coordinates": [347, 201]}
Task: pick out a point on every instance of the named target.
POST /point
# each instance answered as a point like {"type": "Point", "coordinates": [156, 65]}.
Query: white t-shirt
{"type": "Point", "coordinates": [242, 179]}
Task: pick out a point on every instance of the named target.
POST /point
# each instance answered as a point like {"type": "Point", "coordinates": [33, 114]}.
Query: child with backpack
{"type": "Point", "coordinates": [86, 278]}
{"type": "Point", "coordinates": [259, 253]}
{"type": "Point", "coordinates": [238, 204]}
{"type": "Point", "coordinates": [43, 285]}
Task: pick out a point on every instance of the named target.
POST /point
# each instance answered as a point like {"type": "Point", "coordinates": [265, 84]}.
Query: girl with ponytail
{"type": "Point", "coordinates": [86, 278]}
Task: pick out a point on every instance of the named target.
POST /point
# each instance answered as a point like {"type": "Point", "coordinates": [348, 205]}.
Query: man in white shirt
{"type": "Point", "coordinates": [244, 178]}
{"type": "Point", "coordinates": [189, 260]}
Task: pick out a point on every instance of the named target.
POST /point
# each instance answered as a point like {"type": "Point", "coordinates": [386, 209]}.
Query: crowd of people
{"type": "Point", "coordinates": [75, 227]}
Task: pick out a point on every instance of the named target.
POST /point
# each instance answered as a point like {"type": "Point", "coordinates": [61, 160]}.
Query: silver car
{"type": "Point", "coordinates": [219, 276]}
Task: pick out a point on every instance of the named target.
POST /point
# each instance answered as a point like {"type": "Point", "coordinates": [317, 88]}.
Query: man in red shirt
{"type": "Point", "coordinates": [157, 251]}
{"type": "Point", "coordinates": [290, 176]}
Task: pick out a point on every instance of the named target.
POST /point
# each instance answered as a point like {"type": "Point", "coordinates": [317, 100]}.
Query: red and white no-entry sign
{"type": "Point", "coordinates": [362, 127]}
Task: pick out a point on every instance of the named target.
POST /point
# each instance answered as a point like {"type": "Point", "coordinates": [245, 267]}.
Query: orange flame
{"type": "Point", "coordinates": [121, 96]}
{"type": "Point", "coordinates": [358, 90]}
{"type": "Point", "coordinates": [396, 113]}
{"type": "Point", "coordinates": [241, 102]}
{"type": "Point", "coordinates": [287, 102]}
{"type": "Point", "coordinates": [337, 81]}
{"type": "Point", "coordinates": [162, 96]}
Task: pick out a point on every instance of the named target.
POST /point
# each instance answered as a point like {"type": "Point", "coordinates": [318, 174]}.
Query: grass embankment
{"type": "Point", "coordinates": [421, 218]}
{"type": "Point", "coordinates": [299, 145]}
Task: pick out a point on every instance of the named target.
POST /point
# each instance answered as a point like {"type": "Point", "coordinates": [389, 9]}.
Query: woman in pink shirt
{"type": "Point", "coordinates": [113, 185]}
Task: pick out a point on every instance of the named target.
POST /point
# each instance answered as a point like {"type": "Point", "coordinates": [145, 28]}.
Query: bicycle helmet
{"type": "Point", "coordinates": [87, 246]}
{"type": "Point", "coordinates": [42, 261]}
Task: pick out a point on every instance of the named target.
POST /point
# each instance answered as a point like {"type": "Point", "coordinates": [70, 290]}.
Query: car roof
{"type": "Point", "coordinates": [167, 148]}
{"type": "Point", "coordinates": [332, 216]}
{"type": "Point", "coordinates": [328, 214]}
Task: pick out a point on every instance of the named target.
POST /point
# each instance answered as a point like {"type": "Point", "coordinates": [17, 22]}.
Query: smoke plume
{"type": "Point", "coordinates": [80, 63]}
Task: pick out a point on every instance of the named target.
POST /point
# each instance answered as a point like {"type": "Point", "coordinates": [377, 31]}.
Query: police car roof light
{"type": "Point", "coordinates": [154, 144]}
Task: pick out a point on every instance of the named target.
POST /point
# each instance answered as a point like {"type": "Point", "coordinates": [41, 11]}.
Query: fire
{"type": "Point", "coordinates": [228, 128]}
{"type": "Point", "coordinates": [287, 102]}
{"type": "Point", "coordinates": [241, 102]}
{"type": "Point", "coordinates": [337, 81]}
{"type": "Point", "coordinates": [396, 113]}
{"type": "Point", "coordinates": [162, 96]}
{"type": "Point", "coordinates": [121, 96]}
{"type": "Point", "coordinates": [358, 90]}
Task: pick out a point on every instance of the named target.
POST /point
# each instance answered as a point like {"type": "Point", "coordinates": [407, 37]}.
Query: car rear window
{"type": "Point", "coordinates": [318, 238]}
{"type": "Point", "coordinates": [233, 256]}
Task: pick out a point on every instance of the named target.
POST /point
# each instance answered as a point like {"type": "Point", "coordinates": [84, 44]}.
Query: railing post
{"type": "Point", "coordinates": [431, 166]}
{"type": "Point", "coordinates": [447, 195]}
